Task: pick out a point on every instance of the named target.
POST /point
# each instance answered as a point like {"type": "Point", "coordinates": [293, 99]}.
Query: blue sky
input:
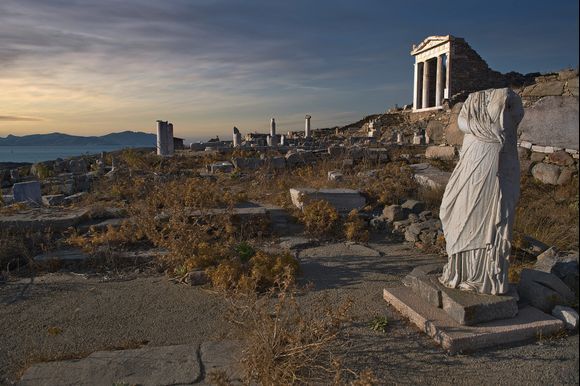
{"type": "Point", "coordinates": [92, 67]}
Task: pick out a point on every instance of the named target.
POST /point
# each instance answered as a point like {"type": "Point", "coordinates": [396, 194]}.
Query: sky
{"type": "Point", "coordinates": [90, 67]}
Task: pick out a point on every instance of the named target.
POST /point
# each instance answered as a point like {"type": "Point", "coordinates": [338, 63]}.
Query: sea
{"type": "Point", "coordinates": [47, 153]}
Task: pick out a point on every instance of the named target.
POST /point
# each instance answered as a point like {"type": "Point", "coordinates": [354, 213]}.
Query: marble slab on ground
{"type": "Point", "coordinates": [530, 323]}
{"type": "Point", "coordinates": [429, 176]}
{"type": "Point", "coordinates": [344, 200]}
{"type": "Point", "coordinates": [166, 365]}
{"type": "Point", "coordinates": [42, 219]}
{"type": "Point", "coordinates": [466, 308]}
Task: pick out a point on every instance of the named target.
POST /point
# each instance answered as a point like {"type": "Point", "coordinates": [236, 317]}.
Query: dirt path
{"type": "Point", "coordinates": [65, 315]}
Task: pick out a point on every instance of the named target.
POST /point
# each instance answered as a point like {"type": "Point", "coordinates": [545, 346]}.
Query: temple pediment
{"type": "Point", "coordinates": [429, 43]}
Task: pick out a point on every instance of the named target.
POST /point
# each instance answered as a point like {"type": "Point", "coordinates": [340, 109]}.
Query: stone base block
{"type": "Point", "coordinates": [466, 308]}
{"type": "Point", "coordinates": [529, 324]}
{"type": "Point", "coordinates": [344, 200]}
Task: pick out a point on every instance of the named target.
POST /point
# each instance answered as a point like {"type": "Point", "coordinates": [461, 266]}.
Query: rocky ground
{"type": "Point", "coordinates": [66, 315]}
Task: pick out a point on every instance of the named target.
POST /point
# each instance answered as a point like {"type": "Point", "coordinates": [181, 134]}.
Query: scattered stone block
{"type": "Point", "coordinates": [53, 199]}
{"type": "Point", "coordinates": [77, 166]}
{"type": "Point", "coordinates": [466, 308]}
{"type": "Point", "coordinates": [414, 206]}
{"type": "Point", "coordinates": [394, 213]}
{"type": "Point", "coordinates": [537, 157]}
{"type": "Point", "coordinates": [247, 163]}
{"type": "Point", "coordinates": [446, 153]}
{"type": "Point", "coordinates": [544, 290]}
{"type": "Point", "coordinates": [546, 173]}
{"type": "Point", "coordinates": [564, 266]}
{"type": "Point", "coordinates": [561, 158]}
{"type": "Point", "coordinates": [567, 315]}
{"type": "Point", "coordinates": [542, 149]}
{"type": "Point", "coordinates": [344, 200]}
{"type": "Point", "coordinates": [74, 198]}
{"type": "Point", "coordinates": [335, 175]}
{"type": "Point", "coordinates": [429, 176]}
{"type": "Point", "coordinates": [552, 121]}
{"type": "Point", "coordinates": [165, 365]}
{"type": "Point", "coordinates": [565, 177]}
{"type": "Point", "coordinates": [528, 324]}
{"type": "Point", "coordinates": [27, 192]}
{"type": "Point", "coordinates": [221, 167]}
{"type": "Point", "coordinates": [67, 255]}
{"type": "Point", "coordinates": [526, 145]}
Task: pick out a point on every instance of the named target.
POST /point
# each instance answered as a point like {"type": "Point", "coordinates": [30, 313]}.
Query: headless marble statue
{"type": "Point", "coordinates": [479, 203]}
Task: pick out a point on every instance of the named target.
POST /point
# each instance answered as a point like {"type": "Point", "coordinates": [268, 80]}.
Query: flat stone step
{"type": "Point", "coordinates": [529, 324]}
{"type": "Point", "coordinates": [466, 308]}
{"type": "Point", "coordinates": [165, 365]}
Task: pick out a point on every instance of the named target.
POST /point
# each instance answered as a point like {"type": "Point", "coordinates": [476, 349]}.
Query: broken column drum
{"type": "Point", "coordinates": [307, 127]}
{"type": "Point", "coordinates": [165, 145]}
{"type": "Point", "coordinates": [478, 207]}
{"type": "Point", "coordinates": [237, 137]}
{"type": "Point", "coordinates": [273, 137]}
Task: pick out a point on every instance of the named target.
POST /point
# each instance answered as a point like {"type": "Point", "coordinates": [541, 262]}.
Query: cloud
{"type": "Point", "coordinates": [12, 118]}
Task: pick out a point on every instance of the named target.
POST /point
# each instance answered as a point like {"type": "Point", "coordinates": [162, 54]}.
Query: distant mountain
{"type": "Point", "coordinates": [125, 138]}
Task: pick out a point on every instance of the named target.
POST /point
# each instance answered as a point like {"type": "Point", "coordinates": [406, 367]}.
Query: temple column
{"type": "Point", "coordinates": [415, 85]}
{"type": "Point", "coordinates": [439, 81]}
{"type": "Point", "coordinates": [425, 93]}
{"type": "Point", "coordinates": [448, 77]}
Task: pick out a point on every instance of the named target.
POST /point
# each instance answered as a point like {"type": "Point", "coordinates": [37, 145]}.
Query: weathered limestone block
{"type": "Point", "coordinates": [247, 163]}
{"type": "Point", "coordinates": [565, 266]}
{"type": "Point", "coordinates": [435, 131]}
{"type": "Point", "coordinates": [344, 200]}
{"type": "Point", "coordinates": [335, 175]}
{"type": "Point", "coordinates": [546, 173]}
{"type": "Point", "coordinates": [566, 175]}
{"type": "Point", "coordinates": [554, 88]}
{"type": "Point", "coordinates": [394, 213]}
{"type": "Point", "coordinates": [537, 157]}
{"type": "Point", "coordinates": [221, 167]}
{"type": "Point", "coordinates": [466, 308]}
{"type": "Point", "coordinates": [567, 315]}
{"type": "Point", "coordinates": [77, 166]}
{"type": "Point", "coordinates": [544, 290]}
{"type": "Point", "coordinates": [440, 152]}
{"type": "Point", "coordinates": [561, 158]}
{"type": "Point", "coordinates": [429, 176]}
{"type": "Point", "coordinates": [572, 85]}
{"type": "Point", "coordinates": [454, 136]}
{"type": "Point", "coordinates": [27, 192]}
{"type": "Point", "coordinates": [552, 121]}
{"type": "Point", "coordinates": [53, 199]}
{"type": "Point", "coordinates": [414, 206]}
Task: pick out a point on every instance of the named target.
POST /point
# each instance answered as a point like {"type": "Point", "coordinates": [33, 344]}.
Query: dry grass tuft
{"type": "Point", "coordinates": [286, 342]}
{"type": "Point", "coordinates": [320, 218]}
{"type": "Point", "coordinates": [355, 228]}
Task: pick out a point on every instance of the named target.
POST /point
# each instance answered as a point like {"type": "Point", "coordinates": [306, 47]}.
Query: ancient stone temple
{"type": "Point", "coordinates": [447, 67]}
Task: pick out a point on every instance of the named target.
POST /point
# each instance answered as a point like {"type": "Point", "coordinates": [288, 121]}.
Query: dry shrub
{"type": "Point", "coordinates": [18, 247]}
{"type": "Point", "coordinates": [260, 273]}
{"type": "Point", "coordinates": [355, 228]}
{"type": "Point", "coordinates": [122, 238]}
{"type": "Point", "coordinates": [393, 184]}
{"type": "Point", "coordinates": [320, 218]}
{"type": "Point", "coordinates": [431, 197]}
{"type": "Point", "coordinates": [288, 343]}
{"type": "Point", "coordinates": [549, 213]}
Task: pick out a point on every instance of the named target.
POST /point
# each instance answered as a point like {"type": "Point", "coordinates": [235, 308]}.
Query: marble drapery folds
{"type": "Point", "coordinates": [479, 202]}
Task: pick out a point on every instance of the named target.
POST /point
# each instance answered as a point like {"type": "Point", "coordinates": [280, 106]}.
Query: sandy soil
{"type": "Point", "coordinates": [65, 315]}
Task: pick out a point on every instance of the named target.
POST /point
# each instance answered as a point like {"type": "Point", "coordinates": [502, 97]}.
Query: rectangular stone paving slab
{"type": "Point", "coordinates": [344, 200]}
{"type": "Point", "coordinates": [166, 365]}
{"type": "Point", "coordinates": [530, 323]}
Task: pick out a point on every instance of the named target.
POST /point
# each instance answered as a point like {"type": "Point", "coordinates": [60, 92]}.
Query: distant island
{"type": "Point", "coordinates": [125, 138]}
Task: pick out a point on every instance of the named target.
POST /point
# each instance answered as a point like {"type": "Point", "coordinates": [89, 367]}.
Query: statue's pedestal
{"type": "Point", "coordinates": [463, 321]}
{"type": "Point", "coordinates": [466, 308]}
